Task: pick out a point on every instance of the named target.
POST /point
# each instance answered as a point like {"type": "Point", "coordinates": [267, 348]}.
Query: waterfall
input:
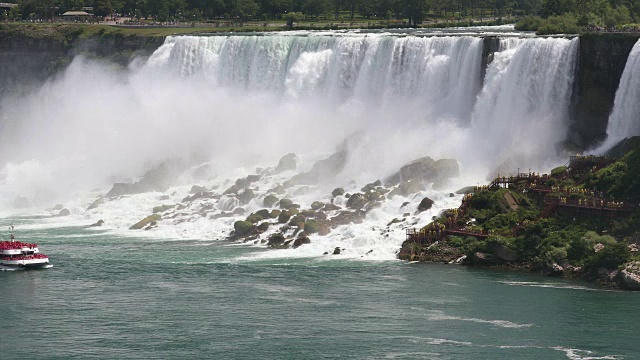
{"type": "Point", "coordinates": [522, 112]}
{"type": "Point", "coordinates": [625, 117]}
{"type": "Point", "coordinates": [243, 101]}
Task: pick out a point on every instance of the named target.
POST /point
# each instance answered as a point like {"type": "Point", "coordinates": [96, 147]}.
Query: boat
{"type": "Point", "coordinates": [17, 254]}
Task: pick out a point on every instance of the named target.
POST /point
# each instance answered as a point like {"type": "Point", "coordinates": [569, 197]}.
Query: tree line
{"type": "Point", "coordinates": [412, 12]}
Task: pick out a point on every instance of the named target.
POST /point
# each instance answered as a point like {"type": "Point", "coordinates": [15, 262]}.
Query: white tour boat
{"type": "Point", "coordinates": [18, 254]}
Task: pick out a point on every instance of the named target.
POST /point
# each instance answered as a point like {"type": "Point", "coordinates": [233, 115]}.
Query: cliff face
{"type": "Point", "coordinates": [601, 61]}
{"type": "Point", "coordinates": [27, 61]}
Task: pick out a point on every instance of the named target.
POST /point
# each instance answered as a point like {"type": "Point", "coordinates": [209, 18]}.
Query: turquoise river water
{"type": "Point", "coordinates": [127, 298]}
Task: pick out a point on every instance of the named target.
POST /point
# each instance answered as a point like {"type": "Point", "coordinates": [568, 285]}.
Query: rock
{"type": "Point", "coordinates": [246, 196]}
{"type": "Point", "coordinates": [269, 201]}
{"type": "Point", "coordinates": [356, 201]}
{"type": "Point", "coordinates": [303, 190]}
{"type": "Point", "coordinates": [97, 202]}
{"type": "Point", "coordinates": [243, 228]}
{"type": "Point", "coordinates": [284, 217]}
{"type": "Point", "coordinates": [242, 183]}
{"type": "Point", "coordinates": [297, 220]}
{"type": "Point", "coordinates": [301, 241]}
{"type": "Point", "coordinates": [279, 189]}
{"type": "Point", "coordinates": [222, 215]}
{"type": "Point", "coordinates": [372, 205]}
{"type": "Point", "coordinates": [238, 211]}
{"type": "Point", "coordinates": [287, 162]}
{"type": "Point", "coordinates": [252, 178]}
{"type": "Point", "coordinates": [263, 227]}
{"type": "Point", "coordinates": [311, 226]}
{"type": "Point", "coordinates": [372, 186]}
{"type": "Point", "coordinates": [337, 192]}
{"type": "Point", "coordinates": [119, 189]}
{"type": "Point", "coordinates": [275, 213]}
{"type": "Point", "coordinates": [406, 188]}
{"type": "Point", "coordinates": [325, 253]}
{"type": "Point", "coordinates": [323, 169]}
{"type": "Point", "coordinates": [317, 205]}
{"type": "Point", "coordinates": [164, 197]}
{"type": "Point", "coordinates": [97, 224]}
{"type": "Point", "coordinates": [425, 204]}
{"type": "Point", "coordinates": [331, 207]}
{"type": "Point", "coordinates": [630, 276]}
{"type": "Point", "coordinates": [555, 270]}
{"type": "Point", "coordinates": [346, 217]}
{"type": "Point", "coordinates": [234, 189]}
{"type": "Point", "coordinates": [161, 208]}
{"type": "Point", "coordinates": [426, 169]}
{"type": "Point", "coordinates": [64, 212]}
{"type": "Point", "coordinates": [286, 203]}
{"type": "Point", "coordinates": [254, 218]}
{"type": "Point", "coordinates": [481, 259]}
{"type": "Point", "coordinates": [276, 240]}
{"type": "Point", "coordinates": [197, 189]}
{"type": "Point", "coordinates": [144, 222]}
{"type": "Point", "coordinates": [320, 215]}
{"type": "Point", "coordinates": [58, 207]}
{"type": "Point", "coordinates": [394, 221]}
{"type": "Point", "coordinates": [308, 213]}
{"type": "Point", "coordinates": [336, 251]}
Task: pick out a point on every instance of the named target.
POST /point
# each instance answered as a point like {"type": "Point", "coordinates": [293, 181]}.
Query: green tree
{"type": "Point", "coordinates": [292, 18]}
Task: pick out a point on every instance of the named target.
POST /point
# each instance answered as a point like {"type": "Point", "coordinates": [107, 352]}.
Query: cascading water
{"type": "Point", "coordinates": [625, 117]}
{"type": "Point", "coordinates": [244, 101]}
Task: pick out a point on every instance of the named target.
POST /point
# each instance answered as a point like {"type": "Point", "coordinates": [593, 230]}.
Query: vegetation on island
{"type": "Point", "coordinates": [579, 221]}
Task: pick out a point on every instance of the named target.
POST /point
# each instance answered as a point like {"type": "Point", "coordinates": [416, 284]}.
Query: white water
{"type": "Point", "coordinates": [625, 116]}
{"type": "Point", "coordinates": [244, 101]}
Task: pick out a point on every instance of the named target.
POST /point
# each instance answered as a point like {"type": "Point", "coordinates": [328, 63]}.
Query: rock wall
{"type": "Point", "coordinates": [27, 61]}
{"type": "Point", "coordinates": [601, 61]}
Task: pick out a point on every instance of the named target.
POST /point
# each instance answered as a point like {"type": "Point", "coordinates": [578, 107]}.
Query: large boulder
{"type": "Point", "coordinates": [276, 241]}
{"type": "Point", "coordinates": [284, 216]}
{"type": "Point", "coordinates": [243, 228]}
{"type": "Point", "coordinates": [246, 196]}
{"type": "Point", "coordinates": [158, 178]}
{"type": "Point", "coordinates": [302, 240]}
{"type": "Point", "coordinates": [347, 217]}
{"type": "Point", "coordinates": [407, 188]}
{"type": "Point", "coordinates": [425, 204]}
{"type": "Point", "coordinates": [323, 169]}
{"type": "Point", "coordinates": [287, 162]}
{"type": "Point", "coordinates": [286, 204]}
{"type": "Point", "coordinates": [297, 220]}
{"type": "Point", "coordinates": [64, 212]}
{"type": "Point", "coordinates": [97, 224]}
{"type": "Point", "coordinates": [149, 220]}
{"type": "Point", "coordinates": [197, 188]}
{"type": "Point", "coordinates": [269, 201]}
{"type": "Point", "coordinates": [337, 192]}
{"type": "Point", "coordinates": [311, 226]}
{"type": "Point", "coordinates": [356, 201]}
{"type": "Point", "coordinates": [97, 202]}
{"type": "Point", "coordinates": [630, 276]}
{"type": "Point", "coordinates": [425, 169]}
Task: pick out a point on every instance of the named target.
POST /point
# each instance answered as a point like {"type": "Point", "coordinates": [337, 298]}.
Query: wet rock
{"type": "Point", "coordinates": [239, 211]}
{"type": "Point", "coordinates": [284, 217]}
{"type": "Point", "coordinates": [287, 162]}
{"type": "Point", "coordinates": [234, 189]}
{"type": "Point", "coordinates": [270, 200]}
{"type": "Point", "coordinates": [406, 188]}
{"type": "Point", "coordinates": [254, 218]}
{"type": "Point", "coordinates": [243, 228]}
{"type": "Point", "coordinates": [144, 222]}
{"type": "Point", "coordinates": [263, 227]}
{"type": "Point", "coordinates": [425, 204]}
{"type": "Point", "coordinates": [275, 213]}
{"type": "Point", "coordinates": [346, 217]}
{"type": "Point", "coordinates": [246, 196]}
{"type": "Point", "coordinates": [371, 186]}
{"type": "Point", "coordinates": [331, 207]}
{"type": "Point", "coordinates": [97, 224]}
{"type": "Point", "coordinates": [223, 215]}
{"type": "Point", "coordinates": [311, 226]}
{"type": "Point", "coordinates": [297, 220]}
{"type": "Point", "coordinates": [64, 212]}
{"type": "Point", "coordinates": [279, 189]}
{"type": "Point", "coordinates": [301, 241]}
{"type": "Point", "coordinates": [161, 208]}
{"type": "Point", "coordinates": [97, 202]}
{"type": "Point", "coordinates": [426, 169]}
{"type": "Point", "coordinates": [242, 183]}
{"type": "Point", "coordinates": [119, 189]}
{"type": "Point", "coordinates": [317, 205]}
{"type": "Point", "coordinates": [372, 205]}
{"type": "Point", "coordinates": [394, 221]}
{"type": "Point", "coordinates": [555, 270]}
{"type": "Point", "coordinates": [336, 251]}
{"type": "Point", "coordinates": [276, 241]}
{"type": "Point", "coordinates": [322, 169]}
{"type": "Point", "coordinates": [337, 192]}
{"type": "Point", "coordinates": [356, 201]}
{"type": "Point", "coordinates": [252, 178]}
{"type": "Point", "coordinates": [286, 203]}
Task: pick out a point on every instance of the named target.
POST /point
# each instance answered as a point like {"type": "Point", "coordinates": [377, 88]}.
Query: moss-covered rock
{"type": "Point", "coordinates": [311, 226]}
{"type": "Point", "coordinates": [337, 192]}
{"type": "Point", "coordinates": [317, 205]}
{"type": "Point", "coordinates": [286, 204]}
{"type": "Point", "coordinates": [297, 220]}
{"type": "Point", "coordinates": [301, 241]}
{"type": "Point", "coordinates": [161, 208]}
{"type": "Point", "coordinates": [270, 200]}
{"type": "Point", "coordinates": [144, 222]}
{"type": "Point", "coordinates": [284, 217]}
{"type": "Point", "coordinates": [254, 218]}
{"type": "Point", "coordinates": [243, 228]}
{"type": "Point", "coordinates": [276, 241]}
